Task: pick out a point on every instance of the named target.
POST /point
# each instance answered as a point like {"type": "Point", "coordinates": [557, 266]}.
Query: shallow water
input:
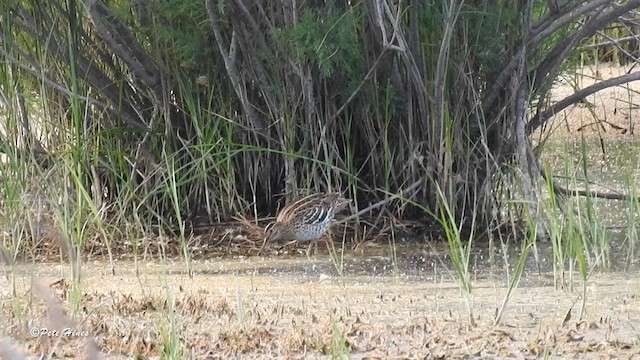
{"type": "Point", "coordinates": [612, 166]}
{"type": "Point", "coordinates": [406, 263]}
{"type": "Point", "coordinates": [610, 169]}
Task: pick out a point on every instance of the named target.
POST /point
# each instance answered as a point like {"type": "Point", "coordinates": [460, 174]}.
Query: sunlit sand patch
{"type": "Point", "coordinates": [616, 111]}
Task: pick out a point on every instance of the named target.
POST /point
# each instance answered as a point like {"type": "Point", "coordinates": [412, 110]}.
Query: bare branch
{"type": "Point", "coordinates": [611, 42]}
{"type": "Point", "coordinates": [551, 65]}
{"type": "Point", "coordinates": [123, 43]}
{"type": "Point", "coordinates": [555, 58]}
{"type": "Point", "coordinates": [247, 37]}
{"type": "Point", "coordinates": [400, 194]}
{"type": "Point", "coordinates": [541, 118]}
{"type": "Point", "coordinates": [562, 191]}
{"type": "Point", "coordinates": [92, 74]}
{"type": "Point", "coordinates": [551, 23]}
{"type": "Point", "coordinates": [39, 74]}
{"type": "Point", "coordinates": [232, 70]}
{"type": "Point", "coordinates": [617, 44]}
{"type": "Point", "coordinates": [405, 55]}
{"type": "Point", "coordinates": [356, 91]}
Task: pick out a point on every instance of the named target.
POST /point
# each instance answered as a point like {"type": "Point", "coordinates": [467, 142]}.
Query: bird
{"type": "Point", "coordinates": [306, 219]}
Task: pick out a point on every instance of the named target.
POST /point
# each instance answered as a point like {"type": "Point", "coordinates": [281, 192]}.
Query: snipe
{"type": "Point", "coordinates": [307, 218]}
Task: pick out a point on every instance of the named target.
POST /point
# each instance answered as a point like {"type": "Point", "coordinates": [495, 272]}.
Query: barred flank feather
{"type": "Point", "coordinates": [307, 218]}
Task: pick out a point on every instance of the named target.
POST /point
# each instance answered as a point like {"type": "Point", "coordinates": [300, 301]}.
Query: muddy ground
{"type": "Point", "coordinates": [299, 308]}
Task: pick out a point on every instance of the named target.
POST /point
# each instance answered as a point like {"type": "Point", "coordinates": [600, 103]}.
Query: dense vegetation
{"type": "Point", "coordinates": [124, 123]}
{"type": "Point", "coordinates": [118, 116]}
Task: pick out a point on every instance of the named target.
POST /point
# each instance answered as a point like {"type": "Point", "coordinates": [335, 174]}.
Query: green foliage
{"type": "Point", "coordinates": [328, 40]}
{"type": "Point", "coordinates": [178, 28]}
{"type": "Point", "coordinates": [340, 107]}
{"type": "Point", "coordinates": [339, 347]}
{"type": "Point", "coordinates": [481, 24]}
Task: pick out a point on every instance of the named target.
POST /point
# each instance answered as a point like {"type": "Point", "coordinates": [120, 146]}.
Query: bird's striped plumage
{"type": "Point", "coordinates": [307, 218]}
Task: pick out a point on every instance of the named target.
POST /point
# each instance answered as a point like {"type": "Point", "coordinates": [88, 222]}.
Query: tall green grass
{"type": "Point", "coordinates": [354, 118]}
{"type": "Point", "coordinates": [632, 213]}
{"type": "Point", "coordinates": [171, 346]}
{"type": "Point", "coordinates": [513, 277]}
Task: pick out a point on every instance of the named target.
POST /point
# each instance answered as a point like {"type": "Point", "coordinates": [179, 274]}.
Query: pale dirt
{"type": "Point", "coordinates": [230, 311]}
{"type": "Point", "coordinates": [609, 113]}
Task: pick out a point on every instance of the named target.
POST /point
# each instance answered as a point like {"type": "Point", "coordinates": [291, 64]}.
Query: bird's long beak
{"type": "Point", "coordinates": [344, 203]}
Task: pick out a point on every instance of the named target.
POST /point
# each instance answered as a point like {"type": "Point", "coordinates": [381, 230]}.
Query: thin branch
{"type": "Point", "coordinates": [559, 53]}
{"type": "Point", "coordinates": [126, 47]}
{"type": "Point", "coordinates": [232, 69]}
{"type": "Point", "coordinates": [406, 56]}
{"type": "Point", "coordinates": [551, 65]}
{"type": "Point", "coordinates": [39, 74]}
{"type": "Point", "coordinates": [551, 23]}
{"type": "Point", "coordinates": [541, 118]}
{"type": "Point", "coordinates": [617, 44]}
{"type": "Point", "coordinates": [610, 42]}
{"type": "Point", "coordinates": [397, 195]}
{"type": "Point", "coordinates": [356, 91]}
{"type": "Point", "coordinates": [92, 74]}
{"type": "Point", "coordinates": [562, 191]}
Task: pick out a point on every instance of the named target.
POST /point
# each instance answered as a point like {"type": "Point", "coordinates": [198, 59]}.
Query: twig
{"type": "Point", "coordinates": [560, 190]}
{"type": "Point", "coordinates": [401, 193]}
{"type": "Point", "coordinates": [124, 44]}
{"type": "Point", "coordinates": [548, 27]}
{"type": "Point", "coordinates": [357, 89]}
{"type": "Point", "coordinates": [229, 57]}
{"type": "Point", "coordinates": [541, 118]}
{"type": "Point", "coordinates": [550, 67]}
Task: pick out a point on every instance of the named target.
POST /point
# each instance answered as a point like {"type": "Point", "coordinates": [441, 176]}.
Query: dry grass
{"type": "Point", "coordinates": [228, 310]}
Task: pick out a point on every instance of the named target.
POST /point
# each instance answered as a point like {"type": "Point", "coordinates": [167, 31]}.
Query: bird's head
{"type": "Point", "coordinates": [275, 232]}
